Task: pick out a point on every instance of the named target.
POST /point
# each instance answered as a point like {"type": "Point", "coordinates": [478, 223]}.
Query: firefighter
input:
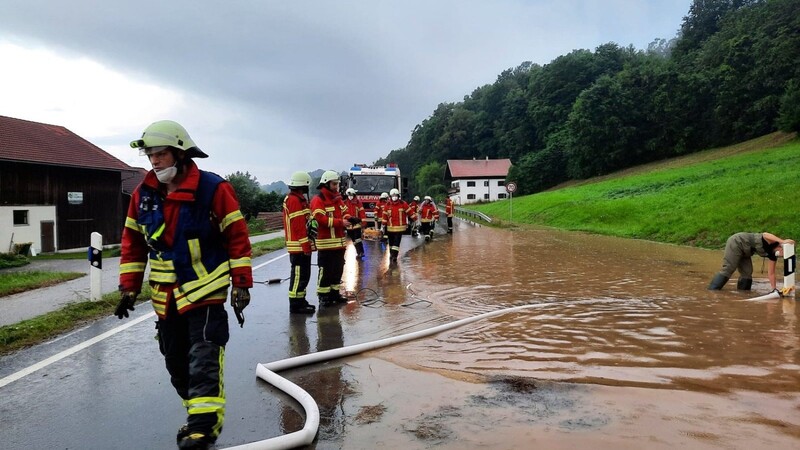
{"type": "Point", "coordinates": [187, 222]}
{"type": "Point", "coordinates": [384, 198]}
{"type": "Point", "coordinates": [739, 250]}
{"type": "Point", "coordinates": [300, 235]}
{"type": "Point", "coordinates": [428, 216]}
{"type": "Point", "coordinates": [331, 215]}
{"type": "Point", "coordinates": [448, 210]}
{"type": "Point", "coordinates": [414, 227]}
{"type": "Point", "coordinates": [355, 209]}
{"type": "Point", "coordinates": [396, 216]}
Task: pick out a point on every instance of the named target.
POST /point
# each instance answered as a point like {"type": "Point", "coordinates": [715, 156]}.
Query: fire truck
{"type": "Point", "coordinates": [370, 181]}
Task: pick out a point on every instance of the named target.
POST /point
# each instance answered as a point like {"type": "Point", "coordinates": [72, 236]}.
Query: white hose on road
{"type": "Point", "coordinates": [306, 435]}
{"type": "Point", "coordinates": [770, 296]}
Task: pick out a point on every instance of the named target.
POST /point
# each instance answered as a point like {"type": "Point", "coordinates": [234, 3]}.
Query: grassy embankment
{"type": "Point", "coordinates": [696, 200]}
{"type": "Point", "coordinates": [38, 329]}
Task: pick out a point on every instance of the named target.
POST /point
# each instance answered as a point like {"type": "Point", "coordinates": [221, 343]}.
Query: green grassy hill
{"type": "Point", "coordinates": [698, 200]}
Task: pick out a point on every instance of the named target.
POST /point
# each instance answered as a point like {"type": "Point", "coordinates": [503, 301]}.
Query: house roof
{"type": "Point", "coordinates": [477, 168]}
{"type": "Point", "coordinates": [34, 142]}
{"type": "Point", "coordinates": [132, 178]}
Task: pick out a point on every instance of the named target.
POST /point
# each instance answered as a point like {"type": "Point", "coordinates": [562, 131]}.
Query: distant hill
{"type": "Point", "coordinates": [281, 188]}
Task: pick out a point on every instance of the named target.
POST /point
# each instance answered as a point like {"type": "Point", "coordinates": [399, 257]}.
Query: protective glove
{"type": "Point", "coordinates": [311, 229]}
{"type": "Point", "coordinates": [354, 220]}
{"type": "Point", "coordinates": [126, 301]}
{"type": "Point", "coordinates": [240, 298]}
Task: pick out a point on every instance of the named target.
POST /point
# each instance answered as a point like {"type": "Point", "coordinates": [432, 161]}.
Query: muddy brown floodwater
{"type": "Point", "coordinates": [625, 348]}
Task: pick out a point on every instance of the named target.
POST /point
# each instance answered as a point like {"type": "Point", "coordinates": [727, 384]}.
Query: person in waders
{"type": "Point", "coordinates": [739, 250]}
{"type": "Point", "coordinates": [186, 222]}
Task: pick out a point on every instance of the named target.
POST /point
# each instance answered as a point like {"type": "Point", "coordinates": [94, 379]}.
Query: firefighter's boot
{"type": "Point", "coordinates": [196, 441]}
{"type": "Point", "coordinates": [717, 282]}
{"type": "Point", "coordinates": [301, 306]}
{"type": "Point", "coordinates": [744, 284]}
{"type": "Point", "coordinates": [325, 300]}
{"type": "Point", "coordinates": [336, 297]}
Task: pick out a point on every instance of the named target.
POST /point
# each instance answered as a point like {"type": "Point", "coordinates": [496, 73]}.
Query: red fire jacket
{"type": "Point", "coordinates": [295, 217]}
{"type": "Point", "coordinates": [396, 215]}
{"type": "Point", "coordinates": [428, 212]}
{"type": "Point", "coordinates": [356, 209]}
{"type": "Point", "coordinates": [329, 211]}
{"type": "Point", "coordinates": [224, 214]}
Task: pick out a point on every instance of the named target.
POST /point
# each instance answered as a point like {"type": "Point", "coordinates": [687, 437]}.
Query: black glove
{"type": "Point", "coordinates": [240, 298]}
{"type": "Point", "coordinates": [354, 220]}
{"type": "Point", "coordinates": [126, 302]}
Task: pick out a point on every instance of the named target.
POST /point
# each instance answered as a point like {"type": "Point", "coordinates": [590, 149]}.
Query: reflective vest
{"type": "Point", "coordinates": [197, 260]}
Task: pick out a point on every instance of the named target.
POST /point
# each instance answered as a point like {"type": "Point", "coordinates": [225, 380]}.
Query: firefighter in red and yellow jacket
{"type": "Point", "coordinates": [355, 209]}
{"type": "Point", "coordinates": [413, 226]}
{"type": "Point", "coordinates": [396, 216]}
{"type": "Point", "coordinates": [299, 245]}
{"type": "Point", "coordinates": [331, 215]}
{"type": "Point", "coordinates": [382, 200]}
{"type": "Point", "coordinates": [428, 216]}
{"type": "Point", "coordinates": [187, 223]}
{"type": "Point", "coordinates": [449, 209]}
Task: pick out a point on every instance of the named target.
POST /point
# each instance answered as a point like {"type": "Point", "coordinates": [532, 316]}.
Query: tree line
{"type": "Point", "coordinates": [732, 73]}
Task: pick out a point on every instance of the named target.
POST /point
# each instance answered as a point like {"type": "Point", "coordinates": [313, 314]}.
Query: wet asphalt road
{"type": "Point", "coordinates": [115, 394]}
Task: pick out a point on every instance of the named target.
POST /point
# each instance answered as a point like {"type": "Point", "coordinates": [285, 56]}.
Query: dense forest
{"type": "Point", "coordinates": [732, 73]}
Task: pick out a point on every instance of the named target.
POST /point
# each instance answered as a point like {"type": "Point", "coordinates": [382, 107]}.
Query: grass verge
{"type": "Point", "coordinates": [264, 247]}
{"type": "Point", "coordinates": [14, 282]}
{"type": "Point", "coordinates": [699, 204]}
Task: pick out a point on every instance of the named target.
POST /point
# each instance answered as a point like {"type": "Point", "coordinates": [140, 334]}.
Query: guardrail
{"type": "Point", "coordinates": [469, 213]}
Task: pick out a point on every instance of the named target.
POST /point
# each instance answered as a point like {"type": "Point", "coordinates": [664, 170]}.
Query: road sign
{"type": "Point", "coordinates": [511, 187]}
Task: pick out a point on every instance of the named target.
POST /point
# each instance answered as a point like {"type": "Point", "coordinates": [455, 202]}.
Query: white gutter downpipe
{"type": "Point", "coordinates": [306, 435]}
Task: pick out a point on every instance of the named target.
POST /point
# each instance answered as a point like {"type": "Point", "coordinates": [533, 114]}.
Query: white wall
{"type": "Point", "coordinates": [480, 191]}
{"type": "Point", "coordinates": [25, 233]}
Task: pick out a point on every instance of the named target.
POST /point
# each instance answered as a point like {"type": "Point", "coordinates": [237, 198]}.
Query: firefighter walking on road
{"type": "Point", "coordinates": [299, 245]}
{"type": "Point", "coordinates": [187, 222]}
{"type": "Point", "coordinates": [355, 209]}
{"type": "Point", "coordinates": [428, 216]}
{"type": "Point", "coordinates": [449, 208]}
{"type": "Point", "coordinates": [396, 216]}
{"type": "Point", "coordinates": [331, 215]}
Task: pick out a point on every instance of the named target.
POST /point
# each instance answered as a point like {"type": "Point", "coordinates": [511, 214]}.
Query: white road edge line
{"type": "Point", "coordinates": [59, 356]}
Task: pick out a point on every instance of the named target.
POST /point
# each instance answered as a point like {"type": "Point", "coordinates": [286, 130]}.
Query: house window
{"type": "Point", "coordinates": [470, 196]}
{"type": "Point", "coordinates": [486, 196]}
{"type": "Point", "coordinates": [470, 184]}
{"type": "Point", "coordinates": [486, 183]}
{"type": "Point", "coordinates": [501, 195]}
{"type": "Point", "coordinates": [501, 182]}
{"type": "Point", "coordinates": [20, 217]}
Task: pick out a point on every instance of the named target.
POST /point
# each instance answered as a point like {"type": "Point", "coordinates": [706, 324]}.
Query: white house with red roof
{"type": "Point", "coordinates": [56, 188]}
{"type": "Point", "coordinates": [477, 180]}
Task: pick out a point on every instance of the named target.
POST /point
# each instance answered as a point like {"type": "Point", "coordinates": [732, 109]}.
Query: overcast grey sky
{"type": "Point", "coordinates": [271, 87]}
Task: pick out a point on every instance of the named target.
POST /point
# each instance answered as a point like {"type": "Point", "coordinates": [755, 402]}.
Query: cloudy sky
{"type": "Point", "coordinates": [270, 87]}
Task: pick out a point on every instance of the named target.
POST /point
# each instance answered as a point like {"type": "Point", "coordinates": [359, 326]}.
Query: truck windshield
{"type": "Point", "coordinates": [366, 184]}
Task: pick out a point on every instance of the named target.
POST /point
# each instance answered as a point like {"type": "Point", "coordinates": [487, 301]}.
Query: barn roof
{"type": "Point", "coordinates": [477, 168]}
{"type": "Point", "coordinates": [34, 142]}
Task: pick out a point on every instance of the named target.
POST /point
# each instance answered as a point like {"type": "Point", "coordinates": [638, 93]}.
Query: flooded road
{"type": "Point", "coordinates": [623, 347]}
{"type": "Point", "coordinates": [650, 357]}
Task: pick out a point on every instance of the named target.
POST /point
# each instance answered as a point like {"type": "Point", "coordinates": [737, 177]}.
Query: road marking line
{"type": "Point", "coordinates": [271, 260]}
{"type": "Point", "coordinates": [59, 356]}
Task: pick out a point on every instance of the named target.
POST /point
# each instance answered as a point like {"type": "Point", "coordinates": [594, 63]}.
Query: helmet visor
{"type": "Point", "coordinates": [147, 151]}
